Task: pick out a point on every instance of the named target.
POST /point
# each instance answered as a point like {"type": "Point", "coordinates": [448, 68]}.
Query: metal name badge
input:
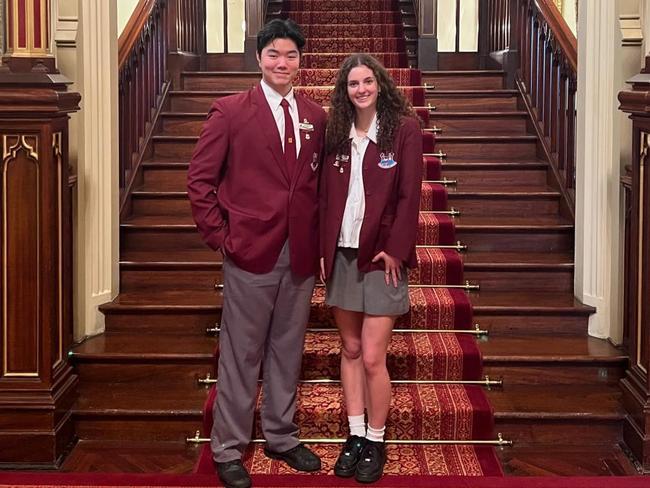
{"type": "Point", "coordinates": [387, 161]}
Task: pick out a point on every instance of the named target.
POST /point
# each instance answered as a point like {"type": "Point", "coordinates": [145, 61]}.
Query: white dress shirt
{"type": "Point", "coordinates": [355, 205]}
{"type": "Point", "coordinates": [273, 98]}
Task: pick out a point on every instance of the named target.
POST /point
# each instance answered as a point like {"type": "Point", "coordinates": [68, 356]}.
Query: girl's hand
{"type": "Point", "coordinates": [392, 267]}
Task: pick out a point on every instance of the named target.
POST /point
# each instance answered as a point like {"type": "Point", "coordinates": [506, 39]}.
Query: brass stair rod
{"type": "Point", "coordinates": [499, 441]}
{"type": "Point", "coordinates": [467, 286]}
{"type": "Point", "coordinates": [434, 129]}
{"type": "Point", "coordinates": [443, 181]}
{"type": "Point", "coordinates": [458, 246]}
{"type": "Point", "coordinates": [475, 331]}
{"type": "Point", "coordinates": [487, 382]}
{"type": "Point", "coordinates": [453, 212]}
{"type": "Point", "coordinates": [439, 154]}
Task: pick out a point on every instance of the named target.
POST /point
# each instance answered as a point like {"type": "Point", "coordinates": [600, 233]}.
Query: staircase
{"type": "Point", "coordinates": [145, 382]}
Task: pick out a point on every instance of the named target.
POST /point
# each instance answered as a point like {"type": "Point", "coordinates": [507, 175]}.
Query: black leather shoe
{"type": "Point", "coordinates": [233, 474]}
{"type": "Point", "coordinates": [346, 464]}
{"type": "Point", "coordinates": [299, 458]}
{"type": "Point", "coordinates": [371, 465]}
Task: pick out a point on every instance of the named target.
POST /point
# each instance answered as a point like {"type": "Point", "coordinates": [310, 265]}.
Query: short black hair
{"type": "Point", "coordinates": [280, 29]}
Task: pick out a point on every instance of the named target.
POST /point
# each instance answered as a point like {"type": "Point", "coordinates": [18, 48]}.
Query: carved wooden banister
{"type": "Point", "coordinates": [636, 315]}
{"type": "Point", "coordinates": [161, 39]}
{"type": "Point", "coordinates": [547, 77]}
{"type": "Point", "coordinates": [133, 30]}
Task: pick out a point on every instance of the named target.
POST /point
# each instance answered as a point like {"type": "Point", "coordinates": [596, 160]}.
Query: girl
{"type": "Point", "coordinates": [370, 196]}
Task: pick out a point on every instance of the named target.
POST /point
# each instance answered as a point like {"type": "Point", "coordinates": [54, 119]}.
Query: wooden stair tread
{"type": "Point", "coordinates": [514, 222]}
{"type": "Point", "coordinates": [181, 256]}
{"type": "Point", "coordinates": [469, 72]}
{"type": "Point", "coordinates": [138, 347]}
{"type": "Point", "coordinates": [561, 348]}
{"type": "Point", "coordinates": [527, 301]}
{"type": "Point", "coordinates": [497, 259]}
{"type": "Point", "coordinates": [557, 402]}
{"type": "Point", "coordinates": [505, 190]}
{"type": "Point", "coordinates": [165, 300]}
{"type": "Point", "coordinates": [438, 114]}
{"type": "Point", "coordinates": [177, 457]}
{"type": "Point", "coordinates": [151, 190]}
{"type": "Point", "coordinates": [181, 398]}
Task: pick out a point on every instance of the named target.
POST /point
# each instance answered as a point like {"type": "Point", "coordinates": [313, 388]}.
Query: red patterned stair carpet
{"type": "Point", "coordinates": [420, 349]}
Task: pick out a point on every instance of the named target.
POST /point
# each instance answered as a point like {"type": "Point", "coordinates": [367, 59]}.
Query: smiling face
{"type": "Point", "coordinates": [279, 62]}
{"type": "Point", "coordinates": [362, 88]}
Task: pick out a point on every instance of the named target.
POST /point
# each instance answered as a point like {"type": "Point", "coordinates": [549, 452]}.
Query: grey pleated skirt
{"type": "Point", "coordinates": [350, 289]}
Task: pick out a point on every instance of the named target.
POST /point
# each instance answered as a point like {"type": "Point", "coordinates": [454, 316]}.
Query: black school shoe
{"type": "Point", "coordinates": [233, 474]}
{"type": "Point", "coordinates": [299, 458]}
{"type": "Point", "coordinates": [346, 464]}
{"type": "Point", "coordinates": [371, 464]}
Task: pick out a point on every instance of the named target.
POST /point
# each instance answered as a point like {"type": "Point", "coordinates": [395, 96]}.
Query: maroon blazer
{"type": "Point", "coordinates": [243, 199]}
{"type": "Point", "coordinates": [392, 195]}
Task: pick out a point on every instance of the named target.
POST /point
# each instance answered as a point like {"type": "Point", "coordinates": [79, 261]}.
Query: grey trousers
{"type": "Point", "coordinates": [263, 322]}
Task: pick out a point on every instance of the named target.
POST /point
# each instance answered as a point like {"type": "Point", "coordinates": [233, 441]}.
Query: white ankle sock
{"type": "Point", "coordinates": [357, 425]}
{"type": "Point", "coordinates": [375, 435]}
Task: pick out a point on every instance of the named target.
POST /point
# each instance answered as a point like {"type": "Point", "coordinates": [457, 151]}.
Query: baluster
{"type": "Point", "coordinates": [562, 131]}
{"type": "Point", "coordinates": [554, 100]}
{"type": "Point", "coordinates": [548, 94]}
{"type": "Point", "coordinates": [571, 126]}
{"type": "Point", "coordinates": [533, 64]}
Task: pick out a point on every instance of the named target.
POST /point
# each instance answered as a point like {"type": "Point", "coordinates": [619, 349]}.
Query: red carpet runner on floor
{"type": "Point", "coordinates": [79, 480]}
{"type": "Point", "coordinates": [420, 411]}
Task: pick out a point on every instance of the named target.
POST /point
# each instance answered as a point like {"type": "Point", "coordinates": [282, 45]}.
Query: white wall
{"type": "Point", "coordinates": [124, 10]}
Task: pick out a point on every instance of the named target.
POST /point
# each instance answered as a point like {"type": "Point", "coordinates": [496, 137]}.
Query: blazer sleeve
{"type": "Point", "coordinates": [205, 175]}
{"type": "Point", "coordinates": [403, 232]}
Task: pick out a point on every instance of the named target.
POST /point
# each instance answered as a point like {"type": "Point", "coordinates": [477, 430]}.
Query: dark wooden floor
{"type": "Point", "coordinates": [179, 458]}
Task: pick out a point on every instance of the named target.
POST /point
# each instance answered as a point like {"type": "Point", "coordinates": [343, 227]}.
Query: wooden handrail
{"type": "Point", "coordinates": [133, 29]}
{"type": "Point", "coordinates": [567, 41]}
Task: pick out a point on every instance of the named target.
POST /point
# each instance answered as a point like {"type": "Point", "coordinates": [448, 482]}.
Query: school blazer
{"type": "Point", "coordinates": [392, 197]}
{"type": "Point", "coordinates": [243, 199]}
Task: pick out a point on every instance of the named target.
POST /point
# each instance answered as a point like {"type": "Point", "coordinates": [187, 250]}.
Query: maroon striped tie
{"type": "Point", "coordinates": [289, 139]}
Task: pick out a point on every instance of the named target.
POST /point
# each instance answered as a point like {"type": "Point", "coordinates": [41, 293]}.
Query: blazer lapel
{"type": "Point", "coordinates": [269, 129]}
{"type": "Point", "coordinates": [305, 144]}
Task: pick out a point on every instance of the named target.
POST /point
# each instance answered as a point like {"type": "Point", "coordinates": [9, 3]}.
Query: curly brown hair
{"type": "Point", "coordinates": [391, 105]}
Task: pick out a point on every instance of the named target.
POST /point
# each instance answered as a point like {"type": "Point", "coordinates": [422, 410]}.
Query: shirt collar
{"type": "Point", "coordinates": [274, 98]}
{"type": "Point", "coordinates": [372, 130]}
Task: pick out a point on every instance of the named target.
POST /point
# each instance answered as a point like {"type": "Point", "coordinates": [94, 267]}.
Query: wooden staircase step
{"type": "Point", "coordinates": [529, 312]}
{"type": "Point", "coordinates": [471, 200]}
{"type": "Point", "coordinates": [456, 147]}
{"type": "Point", "coordinates": [491, 147]}
{"type": "Point", "coordinates": [508, 123]}
{"type": "Point", "coordinates": [499, 312]}
{"type": "Point", "coordinates": [219, 80]}
{"type": "Point", "coordinates": [503, 271]}
{"type": "Point", "coordinates": [494, 233]}
{"type": "Point", "coordinates": [477, 100]}
{"type": "Point", "coordinates": [487, 200]}
{"type": "Point", "coordinates": [564, 414]}
{"type": "Point", "coordinates": [122, 456]}
{"type": "Point", "coordinates": [451, 123]}
{"type": "Point", "coordinates": [172, 175]}
{"type": "Point", "coordinates": [528, 359]}
{"type": "Point", "coordinates": [602, 459]}
{"type": "Point", "coordinates": [497, 174]}
{"type": "Point", "coordinates": [464, 80]}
